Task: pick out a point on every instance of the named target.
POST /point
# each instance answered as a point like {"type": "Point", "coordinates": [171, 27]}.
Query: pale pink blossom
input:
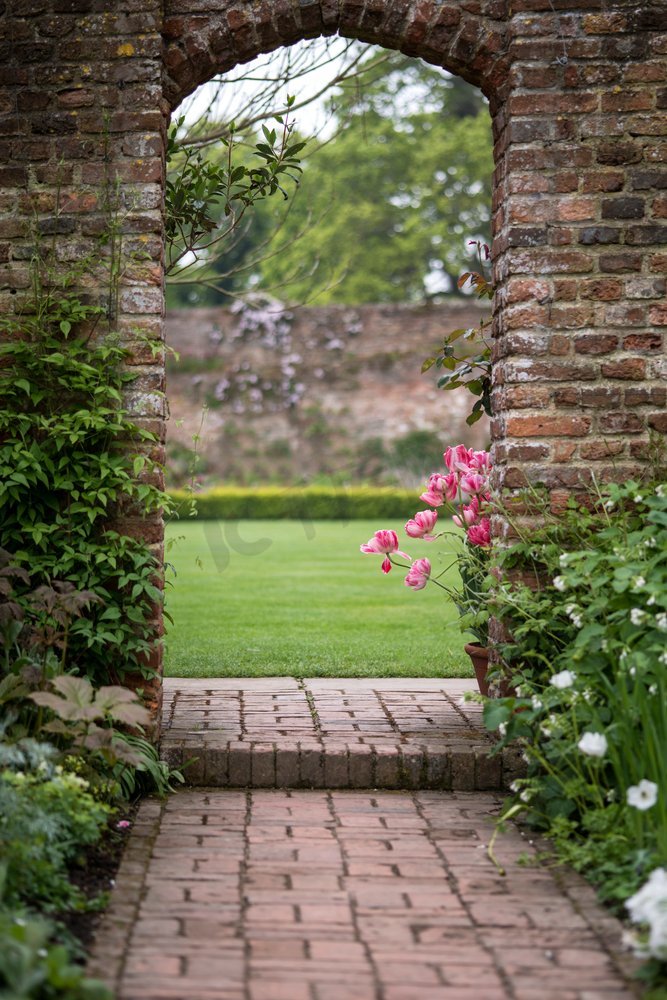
{"type": "Point", "coordinates": [472, 482]}
{"type": "Point", "coordinates": [433, 498]}
{"type": "Point", "coordinates": [451, 486]}
{"type": "Point", "coordinates": [456, 458]}
{"type": "Point", "coordinates": [480, 461]}
{"type": "Point", "coordinates": [382, 543]}
{"type": "Point", "coordinates": [439, 489]}
{"type": "Point", "coordinates": [419, 574]}
{"type": "Point", "coordinates": [435, 491]}
{"type": "Point", "coordinates": [469, 514]}
{"type": "Point", "coordinates": [480, 534]}
{"type": "Point", "coordinates": [422, 524]}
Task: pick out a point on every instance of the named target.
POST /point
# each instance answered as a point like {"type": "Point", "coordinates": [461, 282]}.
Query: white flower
{"type": "Point", "coordinates": [564, 559]}
{"type": "Point", "coordinates": [651, 601]}
{"type": "Point", "coordinates": [559, 583]}
{"type": "Point", "coordinates": [643, 796]}
{"type": "Point", "coordinates": [611, 795]}
{"type": "Point", "coordinates": [609, 505]}
{"type": "Point", "coordinates": [502, 728]}
{"type": "Point", "coordinates": [647, 903]}
{"type": "Point", "coordinates": [536, 703]}
{"type": "Point", "coordinates": [514, 786]}
{"type": "Point", "coordinates": [663, 658]}
{"type": "Point", "coordinates": [593, 744]}
{"type": "Point", "coordinates": [657, 939]}
{"type": "Point", "coordinates": [660, 490]}
{"type": "Point", "coordinates": [637, 616]}
{"type": "Point", "coordinates": [653, 689]}
{"type": "Point", "coordinates": [526, 795]}
{"type": "Point", "coordinates": [564, 679]}
{"type": "Point", "coordinates": [638, 498]}
{"type": "Point", "coordinates": [639, 582]}
{"type": "Point", "coordinates": [661, 621]}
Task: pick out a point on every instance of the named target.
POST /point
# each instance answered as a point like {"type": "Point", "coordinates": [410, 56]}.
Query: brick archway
{"type": "Point", "coordinates": [578, 97]}
{"type": "Point", "coordinates": [469, 42]}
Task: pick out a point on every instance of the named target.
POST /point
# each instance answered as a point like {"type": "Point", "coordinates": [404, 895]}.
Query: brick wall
{"type": "Point", "coordinates": [578, 98]}
{"type": "Point", "coordinates": [319, 400]}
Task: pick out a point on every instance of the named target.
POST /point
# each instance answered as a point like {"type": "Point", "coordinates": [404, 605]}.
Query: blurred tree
{"type": "Point", "coordinates": [387, 203]}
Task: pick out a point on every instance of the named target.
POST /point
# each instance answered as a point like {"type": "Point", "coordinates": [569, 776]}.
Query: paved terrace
{"type": "Point", "coordinates": [331, 733]}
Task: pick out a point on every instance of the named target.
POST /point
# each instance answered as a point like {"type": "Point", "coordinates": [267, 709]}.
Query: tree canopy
{"type": "Point", "coordinates": [386, 205]}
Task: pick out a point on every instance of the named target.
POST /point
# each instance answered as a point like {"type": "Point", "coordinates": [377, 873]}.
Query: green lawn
{"type": "Point", "coordinates": [261, 598]}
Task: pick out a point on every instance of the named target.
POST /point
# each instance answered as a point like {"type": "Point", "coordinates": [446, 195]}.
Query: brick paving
{"type": "Point", "coordinates": [331, 733]}
{"type": "Point", "coordinates": [347, 895]}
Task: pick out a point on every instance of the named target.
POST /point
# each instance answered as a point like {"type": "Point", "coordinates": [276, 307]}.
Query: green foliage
{"type": "Point", "coordinates": [70, 460]}
{"type": "Point", "coordinates": [33, 968]}
{"type": "Point", "coordinates": [206, 194]}
{"type": "Point", "coordinates": [45, 820]}
{"type": "Point", "coordinates": [587, 656]}
{"type": "Point", "coordinates": [386, 207]}
{"type": "Point", "coordinates": [470, 366]}
{"type": "Point", "coordinates": [87, 719]}
{"type": "Point", "coordinates": [310, 502]}
{"type": "Point", "coordinates": [148, 775]}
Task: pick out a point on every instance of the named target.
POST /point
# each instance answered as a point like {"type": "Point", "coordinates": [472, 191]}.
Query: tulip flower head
{"type": "Point", "coordinates": [383, 543]}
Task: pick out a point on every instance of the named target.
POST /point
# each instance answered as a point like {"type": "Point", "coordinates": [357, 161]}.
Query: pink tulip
{"type": "Point", "coordinates": [472, 483]}
{"type": "Point", "coordinates": [422, 524]}
{"type": "Point", "coordinates": [480, 461]}
{"type": "Point", "coordinates": [457, 457]}
{"type": "Point", "coordinates": [469, 514]}
{"type": "Point", "coordinates": [382, 543]}
{"type": "Point", "coordinates": [451, 486]}
{"type": "Point", "coordinates": [480, 534]}
{"type": "Point", "coordinates": [433, 498]}
{"type": "Point", "coordinates": [419, 574]}
{"type": "Point", "coordinates": [439, 489]}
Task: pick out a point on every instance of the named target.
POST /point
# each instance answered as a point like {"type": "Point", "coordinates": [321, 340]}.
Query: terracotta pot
{"type": "Point", "coordinates": [480, 660]}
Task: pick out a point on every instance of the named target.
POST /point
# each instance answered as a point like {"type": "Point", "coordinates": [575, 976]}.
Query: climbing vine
{"type": "Point", "coordinates": [71, 461]}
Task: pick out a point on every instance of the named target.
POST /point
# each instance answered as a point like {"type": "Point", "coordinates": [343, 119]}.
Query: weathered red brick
{"type": "Point", "coordinates": [595, 343]}
{"type": "Point", "coordinates": [548, 426]}
{"type": "Point", "coordinates": [628, 368]}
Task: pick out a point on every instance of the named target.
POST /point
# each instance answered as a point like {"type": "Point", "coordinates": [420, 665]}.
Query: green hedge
{"type": "Point", "coordinates": [316, 503]}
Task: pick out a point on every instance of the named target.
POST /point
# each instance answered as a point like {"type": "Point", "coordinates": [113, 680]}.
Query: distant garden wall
{"type": "Point", "coordinates": [330, 392]}
{"type": "Point", "coordinates": [578, 98]}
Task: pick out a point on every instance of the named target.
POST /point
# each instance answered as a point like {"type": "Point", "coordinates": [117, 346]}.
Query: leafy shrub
{"type": "Point", "coordinates": [45, 820]}
{"type": "Point", "coordinates": [70, 461]}
{"type": "Point", "coordinates": [310, 502]}
{"type": "Point", "coordinates": [588, 657]}
{"type": "Point", "coordinates": [33, 968]}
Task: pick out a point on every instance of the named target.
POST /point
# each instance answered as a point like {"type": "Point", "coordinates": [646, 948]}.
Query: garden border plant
{"type": "Point", "coordinates": [583, 600]}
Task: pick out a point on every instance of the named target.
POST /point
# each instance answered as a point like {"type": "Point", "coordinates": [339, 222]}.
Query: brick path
{"type": "Point", "coordinates": [332, 893]}
{"type": "Point", "coordinates": [331, 733]}
{"type": "Point", "coordinates": [344, 895]}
